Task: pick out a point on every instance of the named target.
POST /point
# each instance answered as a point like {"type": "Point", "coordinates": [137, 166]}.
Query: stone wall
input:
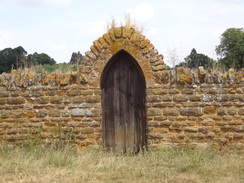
{"type": "Point", "coordinates": [183, 106]}
{"type": "Point", "coordinates": [200, 108]}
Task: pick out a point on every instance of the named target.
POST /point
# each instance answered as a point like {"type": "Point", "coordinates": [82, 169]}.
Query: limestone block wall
{"type": "Point", "coordinates": [200, 114]}
{"type": "Point", "coordinates": [71, 113]}
{"type": "Point", "coordinates": [196, 107]}
{"type": "Point", "coordinates": [178, 112]}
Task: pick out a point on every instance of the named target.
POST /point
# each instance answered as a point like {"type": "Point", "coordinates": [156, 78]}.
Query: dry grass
{"type": "Point", "coordinates": [127, 22]}
{"type": "Point", "coordinates": [37, 164]}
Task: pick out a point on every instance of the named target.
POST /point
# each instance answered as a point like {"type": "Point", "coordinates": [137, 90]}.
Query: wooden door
{"type": "Point", "coordinates": [123, 104]}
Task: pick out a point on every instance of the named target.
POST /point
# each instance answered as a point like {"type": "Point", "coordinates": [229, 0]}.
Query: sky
{"type": "Point", "coordinates": [61, 27]}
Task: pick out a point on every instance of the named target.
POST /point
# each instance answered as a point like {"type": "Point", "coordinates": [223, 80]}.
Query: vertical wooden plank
{"type": "Point", "coordinates": [123, 102]}
{"type": "Point", "coordinates": [109, 113]}
{"type": "Point", "coordinates": [131, 123]}
{"type": "Point", "coordinates": [119, 126]}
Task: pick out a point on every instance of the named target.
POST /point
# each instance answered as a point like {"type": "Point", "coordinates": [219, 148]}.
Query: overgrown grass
{"type": "Point", "coordinates": [38, 164]}
{"type": "Point", "coordinates": [63, 68]}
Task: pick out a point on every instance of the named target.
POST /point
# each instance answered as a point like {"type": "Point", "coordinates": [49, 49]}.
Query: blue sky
{"type": "Point", "coordinates": [60, 27]}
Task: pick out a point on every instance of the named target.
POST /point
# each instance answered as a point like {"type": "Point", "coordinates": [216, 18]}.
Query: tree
{"type": "Point", "coordinates": [76, 58]}
{"type": "Point", "coordinates": [231, 48]}
{"type": "Point", "coordinates": [11, 58]}
{"type": "Point", "coordinates": [39, 59]}
{"type": "Point", "coordinates": [194, 60]}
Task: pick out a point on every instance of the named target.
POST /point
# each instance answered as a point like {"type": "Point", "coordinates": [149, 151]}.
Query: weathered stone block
{"type": "Point", "coordinates": [87, 130]}
{"type": "Point", "coordinates": [165, 77]}
{"type": "Point", "coordinates": [211, 135]}
{"type": "Point", "coordinates": [2, 101]}
{"type": "Point", "coordinates": [156, 136]}
{"type": "Point", "coordinates": [191, 129]}
{"type": "Point", "coordinates": [56, 100]}
{"type": "Point", "coordinates": [91, 55]}
{"type": "Point", "coordinates": [78, 112]}
{"type": "Point", "coordinates": [238, 135]}
{"type": "Point", "coordinates": [153, 99]}
{"type": "Point", "coordinates": [222, 98]}
{"type": "Point", "coordinates": [191, 111]}
{"type": "Point", "coordinates": [188, 91]}
{"type": "Point", "coordinates": [227, 118]}
{"type": "Point", "coordinates": [92, 98]}
{"type": "Point", "coordinates": [61, 92]}
{"type": "Point", "coordinates": [102, 42]}
{"type": "Point", "coordinates": [12, 131]}
{"type": "Point", "coordinates": [42, 100]}
{"type": "Point", "coordinates": [159, 91]}
{"type": "Point", "coordinates": [19, 113]}
{"type": "Point", "coordinates": [118, 32]}
{"type": "Point", "coordinates": [78, 99]}
{"type": "Point", "coordinates": [221, 111]}
{"type": "Point", "coordinates": [95, 112]}
{"type": "Point", "coordinates": [180, 118]}
{"type": "Point", "coordinates": [111, 34]}
{"type": "Point", "coordinates": [180, 98]}
{"type": "Point", "coordinates": [208, 122]}
{"type": "Point", "coordinates": [232, 111]}
{"type": "Point", "coordinates": [153, 123]}
{"type": "Point", "coordinates": [86, 92]}
{"type": "Point", "coordinates": [36, 93]}
{"type": "Point", "coordinates": [65, 113]}
{"type": "Point", "coordinates": [195, 98]}
{"type": "Point", "coordinates": [98, 45]}
{"type": "Point", "coordinates": [106, 37]}
{"type": "Point", "coordinates": [204, 129]}
{"type": "Point", "coordinates": [144, 43]}
{"type": "Point", "coordinates": [161, 118]}
{"type": "Point", "coordinates": [54, 113]}
{"type": "Point", "coordinates": [154, 112]}
{"type": "Point", "coordinates": [30, 113]}
{"type": "Point", "coordinates": [50, 92]}
{"type": "Point", "coordinates": [148, 48]}
{"type": "Point", "coordinates": [15, 100]}
{"type": "Point", "coordinates": [209, 110]}
{"type": "Point", "coordinates": [4, 93]}
{"type": "Point", "coordinates": [158, 68]}
{"type": "Point", "coordinates": [163, 104]}
{"type": "Point", "coordinates": [166, 98]}
{"type": "Point", "coordinates": [171, 112]}
{"type": "Point", "coordinates": [94, 124]}
{"type": "Point", "coordinates": [239, 128]}
{"type": "Point", "coordinates": [241, 111]}
{"type": "Point", "coordinates": [41, 113]}
{"type": "Point", "coordinates": [207, 98]}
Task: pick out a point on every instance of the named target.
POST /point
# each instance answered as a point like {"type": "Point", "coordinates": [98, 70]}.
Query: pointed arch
{"type": "Point", "coordinates": [128, 40]}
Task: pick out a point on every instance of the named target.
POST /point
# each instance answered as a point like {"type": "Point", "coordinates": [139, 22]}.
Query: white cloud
{"type": "Point", "coordinates": [58, 47]}
{"type": "Point", "coordinates": [6, 38]}
{"type": "Point", "coordinates": [43, 2]}
{"type": "Point", "coordinates": [153, 31]}
{"type": "Point", "coordinates": [142, 12]}
{"type": "Point", "coordinates": [97, 27]}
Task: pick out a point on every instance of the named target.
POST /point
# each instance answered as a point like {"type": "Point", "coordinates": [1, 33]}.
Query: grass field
{"type": "Point", "coordinates": [37, 164]}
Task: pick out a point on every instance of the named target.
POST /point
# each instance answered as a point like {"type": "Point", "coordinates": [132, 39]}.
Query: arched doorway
{"type": "Point", "coordinates": [123, 103]}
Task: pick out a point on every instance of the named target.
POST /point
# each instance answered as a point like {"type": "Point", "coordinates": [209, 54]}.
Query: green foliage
{"type": "Point", "coordinates": [15, 58]}
{"type": "Point", "coordinates": [231, 48]}
{"type": "Point", "coordinates": [40, 59]}
{"type": "Point", "coordinates": [11, 58]}
{"type": "Point", "coordinates": [194, 60]}
{"type": "Point", "coordinates": [76, 58]}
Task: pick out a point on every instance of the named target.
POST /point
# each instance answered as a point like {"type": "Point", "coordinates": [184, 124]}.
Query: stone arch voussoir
{"type": "Point", "coordinates": [131, 41]}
